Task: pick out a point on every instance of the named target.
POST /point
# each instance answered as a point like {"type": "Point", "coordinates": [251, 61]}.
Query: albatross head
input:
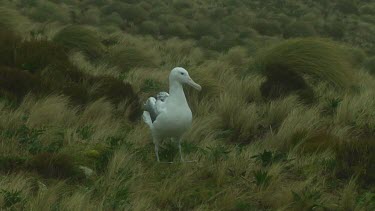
{"type": "Point", "coordinates": [181, 75]}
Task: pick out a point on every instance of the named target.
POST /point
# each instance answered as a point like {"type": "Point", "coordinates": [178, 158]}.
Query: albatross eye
{"type": "Point", "coordinates": [182, 73]}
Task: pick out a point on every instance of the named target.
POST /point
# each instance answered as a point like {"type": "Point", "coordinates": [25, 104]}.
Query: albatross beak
{"type": "Point", "coordinates": [194, 85]}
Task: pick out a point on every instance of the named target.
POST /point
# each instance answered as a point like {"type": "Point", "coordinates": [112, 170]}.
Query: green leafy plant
{"type": "Point", "coordinates": [262, 178]}
{"type": "Point", "coordinates": [11, 198]}
{"type": "Point", "coordinates": [216, 153]}
{"type": "Point", "coordinates": [120, 198]}
{"type": "Point", "coordinates": [30, 138]}
{"type": "Point", "coordinates": [307, 200]}
{"type": "Point", "coordinates": [269, 157]}
{"type": "Point", "coordinates": [367, 199]}
{"type": "Point", "coordinates": [85, 132]}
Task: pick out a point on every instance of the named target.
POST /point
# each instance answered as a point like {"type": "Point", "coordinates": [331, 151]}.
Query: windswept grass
{"type": "Point", "coordinates": [12, 20]}
{"type": "Point", "coordinates": [128, 57]}
{"type": "Point", "coordinates": [80, 38]}
{"type": "Point", "coordinates": [319, 58]}
{"type": "Point", "coordinates": [287, 64]}
{"type": "Point", "coordinates": [274, 127]}
{"type": "Point", "coordinates": [49, 11]}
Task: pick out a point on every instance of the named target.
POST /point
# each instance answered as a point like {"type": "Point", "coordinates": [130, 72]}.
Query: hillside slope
{"type": "Point", "coordinates": [285, 119]}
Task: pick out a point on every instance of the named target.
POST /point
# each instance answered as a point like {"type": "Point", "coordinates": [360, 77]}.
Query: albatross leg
{"type": "Point", "coordinates": [181, 156]}
{"type": "Point", "coordinates": [156, 143]}
{"type": "Point", "coordinates": [157, 152]}
{"type": "Point", "coordinates": [180, 149]}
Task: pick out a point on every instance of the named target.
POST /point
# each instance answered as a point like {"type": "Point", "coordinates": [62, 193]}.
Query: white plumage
{"type": "Point", "coordinates": [169, 115]}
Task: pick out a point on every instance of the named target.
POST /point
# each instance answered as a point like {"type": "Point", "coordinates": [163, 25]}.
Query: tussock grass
{"type": "Point", "coordinates": [241, 127]}
{"type": "Point", "coordinates": [181, 52]}
{"type": "Point", "coordinates": [80, 38]}
{"type": "Point", "coordinates": [299, 29]}
{"type": "Point", "coordinates": [12, 20]}
{"type": "Point", "coordinates": [355, 159]}
{"type": "Point", "coordinates": [81, 61]}
{"type": "Point", "coordinates": [15, 84]}
{"type": "Point", "coordinates": [320, 58]}
{"type": "Point", "coordinates": [52, 111]}
{"type": "Point", "coordinates": [349, 196]}
{"type": "Point", "coordinates": [128, 57]}
{"type": "Point", "coordinates": [353, 112]}
{"type": "Point", "coordinates": [369, 65]}
{"type": "Point", "coordinates": [72, 106]}
{"type": "Point", "coordinates": [297, 126]}
{"type": "Point", "coordinates": [49, 11]}
{"type": "Point", "coordinates": [237, 57]}
{"type": "Point", "coordinates": [276, 111]}
{"type": "Point", "coordinates": [55, 166]}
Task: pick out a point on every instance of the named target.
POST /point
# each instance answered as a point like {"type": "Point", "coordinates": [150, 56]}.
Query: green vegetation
{"type": "Point", "coordinates": [285, 64]}
{"type": "Point", "coordinates": [285, 119]}
{"type": "Point", "coordinates": [370, 65]}
{"type": "Point", "coordinates": [80, 38]}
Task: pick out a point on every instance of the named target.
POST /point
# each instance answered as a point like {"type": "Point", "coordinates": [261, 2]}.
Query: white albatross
{"type": "Point", "coordinates": [169, 115]}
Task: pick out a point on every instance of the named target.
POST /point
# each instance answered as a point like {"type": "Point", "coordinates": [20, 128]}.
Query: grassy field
{"type": "Point", "coordinates": [285, 119]}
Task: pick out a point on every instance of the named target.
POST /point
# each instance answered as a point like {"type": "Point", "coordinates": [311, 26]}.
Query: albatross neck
{"type": "Point", "coordinates": [176, 92]}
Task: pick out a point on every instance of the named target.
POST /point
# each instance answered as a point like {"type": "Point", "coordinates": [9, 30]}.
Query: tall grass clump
{"type": "Point", "coordinates": [49, 11]}
{"type": "Point", "coordinates": [356, 158]}
{"type": "Point", "coordinates": [287, 63]}
{"type": "Point", "coordinates": [299, 29]}
{"type": "Point", "coordinates": [42, 67]}
{"type": "Point", "coordinates": [80, 38]}
{"type": "Point", "coordinates": [12, 20]}
{"type": "Point", "coordinates": [54, 166]}
{"type": "Point", "coordinates": [8, 42]}
{"type": "Point", "coordinates": [15, 83]}
{"type": "Point", "coordinates": [369, 65]}
{"type": "Point", "coordinates": [117, 92]}
{"type": "Point", "coordinates": [34, 55]}
{"type": "Point", "coordinates": [264, 27]}
{"type": "Point", "coordinates": [347, 6]}
{"type": "Point", "coordinates": [114, 19]}
{"type": "Point", "coordinates": [130, 12]}
{"type": "Point", "coordinates": [128, 57]}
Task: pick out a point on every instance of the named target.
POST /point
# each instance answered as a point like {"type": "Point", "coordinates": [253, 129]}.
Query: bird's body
{"type": "Point", "coordinates": [172, 123]}
{"type": "Point", "coordinates": [172, 113]}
